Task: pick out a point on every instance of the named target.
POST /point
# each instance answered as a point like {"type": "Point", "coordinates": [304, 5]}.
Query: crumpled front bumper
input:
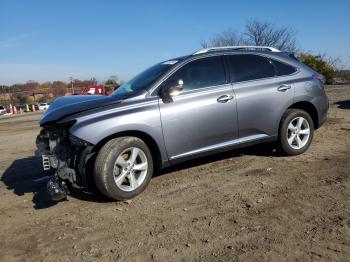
{"type": "Point", "coordinates": [66, 157]}
{"type": "Point", "coordinates": [49, 160]}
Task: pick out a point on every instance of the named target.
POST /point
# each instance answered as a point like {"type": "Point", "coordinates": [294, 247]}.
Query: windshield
{"type": "Point", "coordinates": [143, 80]}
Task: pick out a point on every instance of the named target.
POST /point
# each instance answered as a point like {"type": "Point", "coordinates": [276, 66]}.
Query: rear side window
{"type": "Point", "coordinates": [202, 73]}
{"type": "Point", "coordinates": [250, 67]}
{"type": "Point", "coordinates": [283, 69]}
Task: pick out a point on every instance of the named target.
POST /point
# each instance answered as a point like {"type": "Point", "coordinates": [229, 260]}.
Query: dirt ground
{"type": "Point", "coordinates": [246, 205]}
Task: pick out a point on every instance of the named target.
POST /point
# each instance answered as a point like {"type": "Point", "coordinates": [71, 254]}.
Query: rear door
{"type": "Point", "coordinates": [262, 96]}
{"type": "Point", "coordinates": [203, 117]}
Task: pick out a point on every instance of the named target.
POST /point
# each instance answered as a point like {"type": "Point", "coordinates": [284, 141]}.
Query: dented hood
{"type": "Point", "coordinates": [68, 105]}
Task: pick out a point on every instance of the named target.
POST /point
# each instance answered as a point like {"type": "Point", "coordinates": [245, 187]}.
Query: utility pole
{"type": "Point", "coordinates": [72, 86]}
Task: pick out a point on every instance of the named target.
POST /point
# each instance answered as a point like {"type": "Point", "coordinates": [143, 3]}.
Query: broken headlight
{"type": "Point", "coordinates": [77, 141]}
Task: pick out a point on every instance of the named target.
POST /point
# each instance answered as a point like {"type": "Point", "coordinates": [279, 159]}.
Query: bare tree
{"type": "Point", "coordinates": [114, 78]}
{"type": "Point", "coordinates": [268, 34]}
{"type": "Point", "coordinates": [256, 33]}
{"type": "Point", "coordinates": [335, 62]}
{"type": "Point", "coordinates": [226, 38]}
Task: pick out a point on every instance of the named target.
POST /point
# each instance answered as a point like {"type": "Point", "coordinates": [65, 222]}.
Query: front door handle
{"type": "Point", "coordinates": [283, 88]}
{"type": "Point", "coordinates": [224, 98]}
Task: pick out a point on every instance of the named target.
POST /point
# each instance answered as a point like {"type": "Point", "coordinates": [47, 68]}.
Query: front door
{"type": "Point", "coordinates": [203, 117]}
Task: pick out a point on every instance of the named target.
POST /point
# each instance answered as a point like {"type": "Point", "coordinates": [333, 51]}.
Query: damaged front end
{"type": "Point", "coordinates": [65, 157]}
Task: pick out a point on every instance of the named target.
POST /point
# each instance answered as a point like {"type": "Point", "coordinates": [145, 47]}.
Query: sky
{"type": "Point", "coordinates": [56, 40]}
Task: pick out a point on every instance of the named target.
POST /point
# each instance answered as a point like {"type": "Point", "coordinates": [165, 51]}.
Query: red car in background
{"type": "Point", "coordinates": [97, 90]}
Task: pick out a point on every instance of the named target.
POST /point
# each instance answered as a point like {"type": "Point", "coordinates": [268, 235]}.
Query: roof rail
{"type": "Point", "coordinates": [243, 47]}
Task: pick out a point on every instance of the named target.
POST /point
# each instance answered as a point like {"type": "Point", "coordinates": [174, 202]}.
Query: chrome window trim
{"type": "Point", "coordinates": [154, 90]}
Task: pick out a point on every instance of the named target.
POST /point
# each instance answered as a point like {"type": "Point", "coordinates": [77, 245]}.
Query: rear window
{"type": "Point", "coordinates": [283, 69]}
{"type": "Point", "coordinates": [250, 67]}
{"type": "Point", "coordinates": [2, 108]}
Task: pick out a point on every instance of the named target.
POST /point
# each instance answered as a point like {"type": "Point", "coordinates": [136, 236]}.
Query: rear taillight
{"type": "Point", "coordinates": [319, 77]}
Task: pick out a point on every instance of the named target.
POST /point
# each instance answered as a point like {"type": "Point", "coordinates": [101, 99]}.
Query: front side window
{"type": "Point", "coordinates": [250, 67]}
{"type": "Point", "coordinates": [201, 73]}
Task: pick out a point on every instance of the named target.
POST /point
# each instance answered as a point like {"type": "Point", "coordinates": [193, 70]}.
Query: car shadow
{"type": "Point", "coordinates": [23, 175]}
{"type": "Point", "coordinates": [345, 104]}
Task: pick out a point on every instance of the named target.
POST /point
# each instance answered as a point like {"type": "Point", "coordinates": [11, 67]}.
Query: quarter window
{"type": "Point", "coordinates": [201, 73]}
{"type": "Point", "coordinates": [283, 69]}
{"type": "Point", "coordinates": [250, 67]}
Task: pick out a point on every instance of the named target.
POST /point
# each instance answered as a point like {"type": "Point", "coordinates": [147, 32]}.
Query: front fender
{"type": "Point", "coordinates": [130, 116]}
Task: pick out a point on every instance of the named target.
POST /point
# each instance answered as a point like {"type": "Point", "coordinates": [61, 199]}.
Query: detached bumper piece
{"type": "Point", "coordinates": [57, 189]}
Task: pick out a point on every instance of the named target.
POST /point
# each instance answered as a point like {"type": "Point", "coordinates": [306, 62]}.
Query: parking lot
{"type": "Point", "coordinates": [248, 204]}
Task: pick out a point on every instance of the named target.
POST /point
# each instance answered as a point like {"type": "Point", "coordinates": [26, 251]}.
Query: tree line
{"type": "Point", "coordinates": [35, 92]}
{"type": "Point", "coordinates": [264, 33]}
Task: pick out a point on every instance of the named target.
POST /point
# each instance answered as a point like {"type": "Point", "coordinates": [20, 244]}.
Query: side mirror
{"type": "Point", "coordinates": [170, 89]}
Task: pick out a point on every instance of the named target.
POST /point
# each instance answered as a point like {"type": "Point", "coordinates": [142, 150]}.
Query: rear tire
{"type": "Point", "coordinates": [123, 168]}
{"type": "Point", "coordinates": [296, 132]}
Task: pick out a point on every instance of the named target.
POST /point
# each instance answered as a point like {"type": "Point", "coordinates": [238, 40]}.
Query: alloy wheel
{"type": "Point", "coordinates": [298, 132]}
{"type": "Point", "coordinates": [130, 169]}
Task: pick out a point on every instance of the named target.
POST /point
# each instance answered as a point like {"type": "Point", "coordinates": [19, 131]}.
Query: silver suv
{"type": "Point", "coordinates": [214, 100]}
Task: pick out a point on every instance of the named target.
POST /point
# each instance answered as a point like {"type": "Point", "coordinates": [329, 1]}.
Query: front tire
{"type": "Point", "coordinates": [296, 132]}
{"type": "Point", "coordinates": [123, 168]}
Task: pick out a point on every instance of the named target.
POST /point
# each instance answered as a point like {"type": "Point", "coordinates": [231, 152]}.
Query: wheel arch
{"type": "Point", "coordinates": [309, 108]}
{"type": "Point", "coordinates": [148, 139]}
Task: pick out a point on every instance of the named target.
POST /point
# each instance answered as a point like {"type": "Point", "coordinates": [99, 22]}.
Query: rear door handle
{"type": "Point", "coordinates": [224, 98]}
{"type": "Point", "coordinates": [283, 88]}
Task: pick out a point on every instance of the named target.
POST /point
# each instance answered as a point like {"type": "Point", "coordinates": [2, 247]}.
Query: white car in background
{"type": "Point", "coordinates": [43, 106]}
{"type": "Point", "coordinates": [2, 110]}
